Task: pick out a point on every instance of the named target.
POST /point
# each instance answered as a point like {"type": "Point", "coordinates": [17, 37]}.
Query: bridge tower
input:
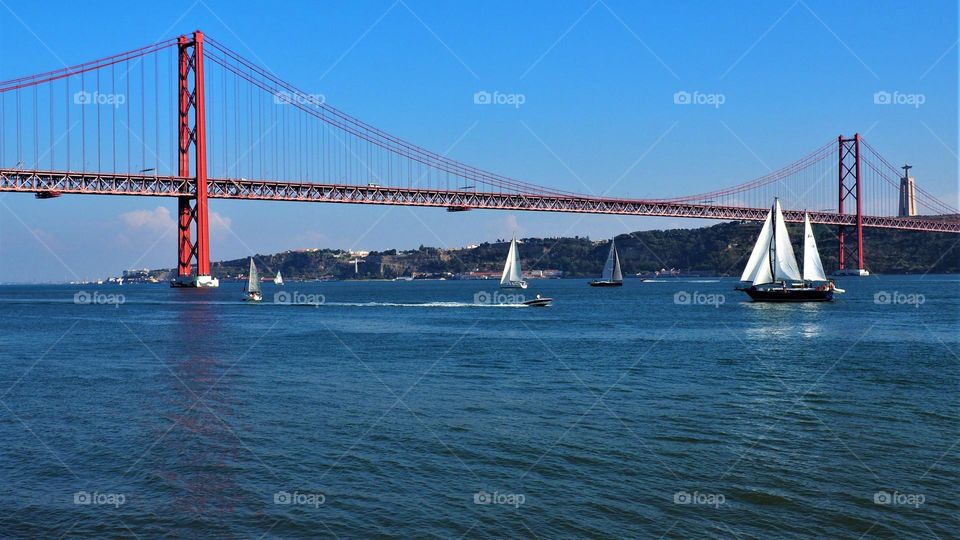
{"type": "Point", "coordinates": [851, 253]}
{"type": "Point", "coordinates": [194, 233]}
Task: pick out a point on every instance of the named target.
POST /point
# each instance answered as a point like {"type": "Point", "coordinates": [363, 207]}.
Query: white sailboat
{"type": "Point", "coordinates": [278, 279]}
{"type": "Point", "coordinates": [612, 276]}
{"type": "Point", "coordinates": [512, 277]}
{"type": "Point", "coordinates": [252, 288]}
{"type": "Point", "coordinates": [772, 271]}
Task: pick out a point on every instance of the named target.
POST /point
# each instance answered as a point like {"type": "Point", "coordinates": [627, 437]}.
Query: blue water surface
{"type": "Point", "coordinates": [422, 409]}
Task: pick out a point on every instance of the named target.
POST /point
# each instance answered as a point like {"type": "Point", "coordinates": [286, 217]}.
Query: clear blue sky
{"type": "Point", "coordinates": [598, 78]}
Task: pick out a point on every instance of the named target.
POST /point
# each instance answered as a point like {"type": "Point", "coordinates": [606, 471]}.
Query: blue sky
{"type": "Point", "coordinates": [598, 80]}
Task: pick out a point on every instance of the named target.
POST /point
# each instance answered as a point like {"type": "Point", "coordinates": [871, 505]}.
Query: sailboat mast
{"type": "Point", "coordinates": [773, 242]}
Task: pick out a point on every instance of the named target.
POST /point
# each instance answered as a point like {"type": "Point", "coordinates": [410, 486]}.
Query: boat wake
{"type": "Point", "coordinates": [676, 280]}
{"type": "Point", "coordinates": [417, 304]}
{"type": "Point", "coordinates": [267, 302]}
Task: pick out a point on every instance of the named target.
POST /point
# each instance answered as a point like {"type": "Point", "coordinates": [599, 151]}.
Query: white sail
{"type": "Point", "coordinates": [812, 265]}
{"type": "Point", "coordinates": [611, 269]}
{"type": "Point", "coordinates": [278, 279]}
{"type": "Point", "coordinates": [617, 274]}
{"type": "Point", "coordinates": [758, 266]}
{"type": "Point", "coordinates": [511, 269]}
{"type": "Point", "coordinates": [784, 261]}
{"type": "Point", "coordinates": [253, 280]}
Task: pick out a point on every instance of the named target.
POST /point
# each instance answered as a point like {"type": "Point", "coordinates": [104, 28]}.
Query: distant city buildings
{"type": "Point", "coordinates": [529, 274]}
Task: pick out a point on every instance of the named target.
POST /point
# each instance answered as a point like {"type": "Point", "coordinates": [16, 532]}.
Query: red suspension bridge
{"type": "Point", "coordinates": [190, 118]}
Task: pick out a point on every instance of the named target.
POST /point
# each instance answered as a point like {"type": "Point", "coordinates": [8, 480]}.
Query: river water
{"type": "Point", "coordinates": [423, 409]}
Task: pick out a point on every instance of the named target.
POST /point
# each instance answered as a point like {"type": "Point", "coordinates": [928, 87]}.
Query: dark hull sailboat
{"type": "Point", "coordinates": [772, 266]}
{"type": "Point", "coordinates": [601, 283]}
{"type": "Point", "coordinates": [799, 294]}
{"type": "Point", "coordinates": [611, 276]}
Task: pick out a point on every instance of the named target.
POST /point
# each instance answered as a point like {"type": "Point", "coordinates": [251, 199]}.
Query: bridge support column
{"type": "Point", "coordinates": [850, 255]}
{"type": "Point", "coordinates": [193, 244]}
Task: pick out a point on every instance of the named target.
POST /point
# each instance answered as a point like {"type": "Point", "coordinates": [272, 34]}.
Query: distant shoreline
{"type": "Point", "coordinates": [384, 280]}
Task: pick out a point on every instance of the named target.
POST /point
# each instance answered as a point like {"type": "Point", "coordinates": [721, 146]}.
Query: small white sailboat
{"type": "Point", "coordinates": [772, 271]}
{"type": "Point", "coordinates": [611, 276]}
{"type": "Point", "coordinates": [512, 277]}
{"type": "Point", "coordinates": [252, 288]}
{"type": "Point", "coordinates": [278, 279]}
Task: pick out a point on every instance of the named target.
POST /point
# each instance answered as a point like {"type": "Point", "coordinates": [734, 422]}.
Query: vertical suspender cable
{"type": "Point", "coordinates": [66, 101]}
{"type": "Point", "coordinates": [126, 76]}
{"type": "Point", "coordinates": [143, 116]}
{"type": "Point", "coordinates": [53, 155]}
{"type": "Point", "coordinates": [97, 107]}
{"type": "Point", "coordinates": [83, 122]}
{"type": "Point", "coordinates": [156, 111]}
{"type": "Point", "coordinates": [36, 127]}
{"type": "Point", "coordinates": [113, 115]}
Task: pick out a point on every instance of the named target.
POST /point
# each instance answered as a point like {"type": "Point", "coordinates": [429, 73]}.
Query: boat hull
{"type": "Point", "coordinates": [514, 285]}
{"type": "Point", "coordinates": [539, 302]}
{"type": "Point", "coordinates": [601, 283]}
{"type": "Point", "coordinates": [788, 295]}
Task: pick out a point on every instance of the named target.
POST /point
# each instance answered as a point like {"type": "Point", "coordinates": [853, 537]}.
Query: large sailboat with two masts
{"type": "Point", "coordinates": [772, 273]}
{"type": "Point", "coordinates": [512, 277]}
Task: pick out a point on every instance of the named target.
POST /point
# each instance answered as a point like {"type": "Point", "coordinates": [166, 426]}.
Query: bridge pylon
{"type": "Point", "coordinates": [193, 246]}
{"type": "Point", "coordinates": [850, 257]}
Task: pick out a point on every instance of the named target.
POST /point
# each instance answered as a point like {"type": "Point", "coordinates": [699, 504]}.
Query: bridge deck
{"type": "Point", "coordinates": [14, 180]}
